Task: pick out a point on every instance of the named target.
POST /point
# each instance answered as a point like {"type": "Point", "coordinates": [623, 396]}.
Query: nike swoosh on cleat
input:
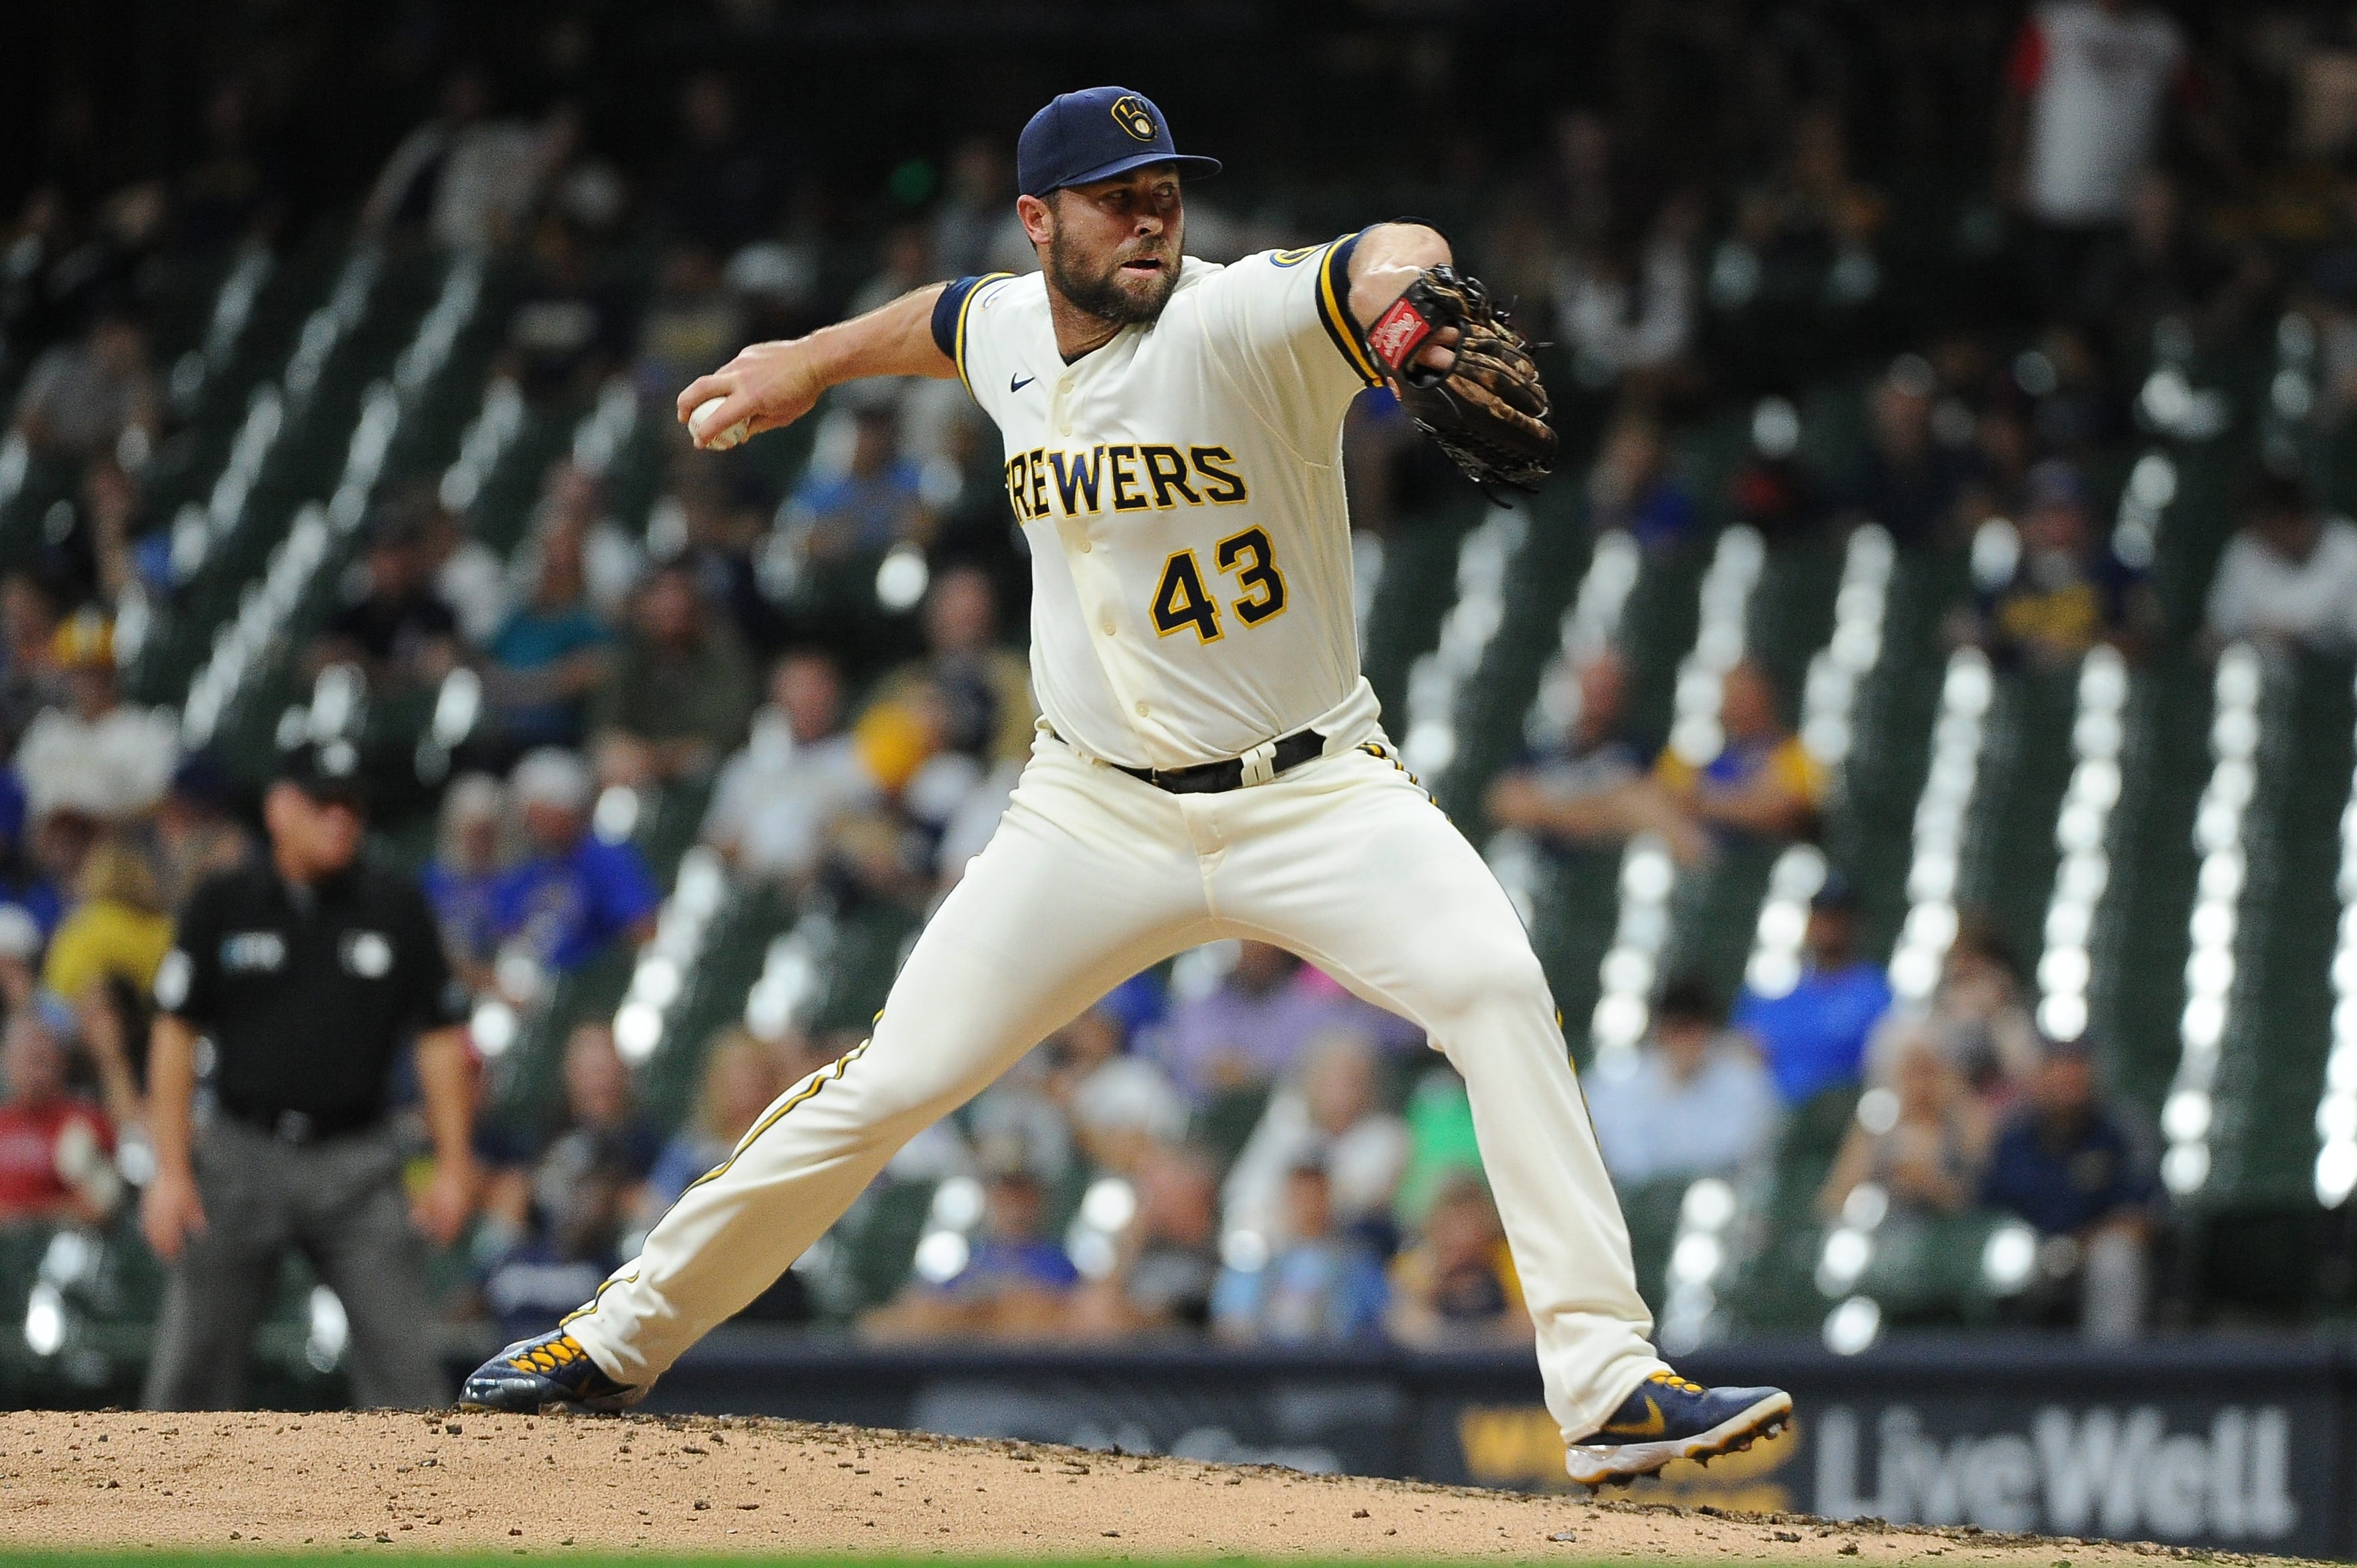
{"type": "Point", "coordinates": [1652, 1426]}
{"type": "Point", "coordinates": [1016, 383]}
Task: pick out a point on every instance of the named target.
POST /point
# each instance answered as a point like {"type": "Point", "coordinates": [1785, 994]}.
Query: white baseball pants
{"type": "Point", "coordinates": [1093, 875]}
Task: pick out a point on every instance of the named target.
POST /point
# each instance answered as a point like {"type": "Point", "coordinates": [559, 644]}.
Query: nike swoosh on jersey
{"type": "Point", "coordinates": [1016, 383]}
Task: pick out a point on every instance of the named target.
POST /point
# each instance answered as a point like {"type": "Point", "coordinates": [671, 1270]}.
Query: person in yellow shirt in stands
{"type": "Point", "coordinates": [118, 928]}
{"type": "Point", "coordinates": [1763, 784]}
{"type": "Point", "coordinates": [118, 932]}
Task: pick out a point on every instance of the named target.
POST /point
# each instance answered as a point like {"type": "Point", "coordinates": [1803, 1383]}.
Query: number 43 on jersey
{"type": "Point", "coordinates": [1182, 603]}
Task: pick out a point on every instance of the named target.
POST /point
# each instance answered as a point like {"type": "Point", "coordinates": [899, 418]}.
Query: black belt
{"type": "Point", "coordinates": [301, 1127]}
{"type": "Point", "coordinates": [1267, 760]}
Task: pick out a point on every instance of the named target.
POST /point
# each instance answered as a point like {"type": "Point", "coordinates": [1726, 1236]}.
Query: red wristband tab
{"type": "Point", "coordinates": [1398, 332]}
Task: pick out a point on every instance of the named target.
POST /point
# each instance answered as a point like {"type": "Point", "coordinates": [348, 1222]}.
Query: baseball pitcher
{"type": "Point", "coordinates": [1210, 764]}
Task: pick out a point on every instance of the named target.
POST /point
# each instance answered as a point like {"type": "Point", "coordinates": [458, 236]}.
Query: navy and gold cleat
{"type": "Point", "coordinates": [1669, 1418]}
{"type": "Point", "coordinates": [551, 1372]}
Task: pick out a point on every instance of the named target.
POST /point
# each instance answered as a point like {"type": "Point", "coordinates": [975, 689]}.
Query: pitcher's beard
{"type": "Point", "coordinates": [1103, 296]}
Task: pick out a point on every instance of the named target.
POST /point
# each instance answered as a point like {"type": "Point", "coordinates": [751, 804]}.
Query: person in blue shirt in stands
{"type": "Point", "coordinates": [573, 894]}
{"type": "Point", "coordinates": [2070, 1166]}
{"type": "Point", "coordinates": [875, 503]}
{"type": "Point", "coordinates": [1015, 1284]}
{"type": "Point", "coordinates": [1317, 1283]}
{"type": "Point", "coordinates": [1814, 1035]}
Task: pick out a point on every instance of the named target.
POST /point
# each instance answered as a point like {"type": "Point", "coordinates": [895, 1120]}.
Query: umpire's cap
{"type": "Point", "coordinates": [1096, 134]}
{"type": "Point", "coordinates": [329, 774]}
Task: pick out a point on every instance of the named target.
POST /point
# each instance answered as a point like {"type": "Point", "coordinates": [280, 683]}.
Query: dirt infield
{"type": "Point", "coordinates": [509, 1483]}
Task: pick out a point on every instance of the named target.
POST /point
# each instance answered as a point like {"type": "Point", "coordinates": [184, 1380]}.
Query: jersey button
{"type": "Point", "coordinates": [1086, 547]}
{"type": "Point", "coordinates": [1107, 624]}
{"type": "Point", "coordinates": [1141, 710]}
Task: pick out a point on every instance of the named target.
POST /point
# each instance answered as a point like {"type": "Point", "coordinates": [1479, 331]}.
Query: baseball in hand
{"type": "Point", "coordinates": [699, 425]}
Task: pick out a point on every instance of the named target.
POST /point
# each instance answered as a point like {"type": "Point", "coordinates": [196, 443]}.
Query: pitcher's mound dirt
{"type": "Point", "coordinates": [507, 1482]}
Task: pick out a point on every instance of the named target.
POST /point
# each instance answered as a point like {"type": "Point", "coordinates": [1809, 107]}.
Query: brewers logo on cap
{"type": "Point", "coordinates": [1129, 113]}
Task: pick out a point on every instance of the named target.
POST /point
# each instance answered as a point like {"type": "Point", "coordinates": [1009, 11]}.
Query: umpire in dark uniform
{"type": "Point", "coordinates": [308, 972]}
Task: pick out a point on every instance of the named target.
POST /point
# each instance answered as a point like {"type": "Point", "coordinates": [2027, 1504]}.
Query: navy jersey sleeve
{"type": "Point", "coordinates": [950, 313]}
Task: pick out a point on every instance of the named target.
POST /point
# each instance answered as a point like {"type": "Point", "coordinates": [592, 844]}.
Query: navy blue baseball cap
{"type": "Point", "coordinates": [1096, 134]}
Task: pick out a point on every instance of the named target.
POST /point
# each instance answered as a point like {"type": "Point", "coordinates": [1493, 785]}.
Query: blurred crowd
{"type": "Point", "coordinates": [826, 643]}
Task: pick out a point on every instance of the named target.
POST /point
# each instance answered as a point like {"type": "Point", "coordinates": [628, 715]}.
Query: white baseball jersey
{"type": "Point", "coordinates": [1181, 490]}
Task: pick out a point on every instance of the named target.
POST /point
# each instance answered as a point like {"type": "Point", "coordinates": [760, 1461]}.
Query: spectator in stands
{"type": "Point", "coordinates": [1123, 1107]}
{"type": "Point", "coordinates": [550, 655]}
{"type": "Point", "coordinates": [2068, 1165]}
{"type": "Point", "coordinates": [604, 1130]}
{"type": "Point", "coordinates": [1167, 1261]}
{"type": "Point", "coordinates": [100, 759]}
{"type": "Point", "coordinates": [1591, 784]}
{"type": "Point", "coordinates": [462, 881]}
{"type": "Point", "coordinates": [2062, 591]}
{"type": "Point", "coordinates": [118, 930]}
{"type": "Point", "coordinates": [30, 680]}
{"type": "Point", "coordinates": [1319, 1285]}
{"type": "Point", "coordinates": [1016, 1120]}
{"type": "Point", "coordinates": [1017, 1282]}
{"type": "Point", "coordinates": [1815, 1035]}
{"type": "Point", "coordinates": [1457, 1288]}
{"type": "Point", "coordinates": [60, 843]}
{"type": "Point", "coordinates": [1815, 211]}
{"type": "Point", "coordinates": [779, 797]}
{"type": "Point", "coordinates": [110, 1027]}
{"type": "Point", "coordinates": [1325, 1112]}
{"type": "Point", "coordinates": [1625, 304]}
{"type": "Point", "coordinates": [2289, 577]}
{"type": "Point", "coordinates": [1763, 784]}
{"type": "Point", "coordinates": [2086, 84]}
{"type": "Point", "coordinates": [96, 556]}
{"type": "Point", "coordinates": [1923, 1141]}
{"type": "Point", "coordinates": [1978, 1021]}
{"type": "Point", "coordinates": [467, 573]}
{"type": "Point", "coordinates": [571, 326]}
{"type": "Point", "coordinates": [741, 1078]}
{"type": "Point", "coordinates": [1255, 1025]}
{"type": "Point", "coordinates": [985, 685]}
{"type": "Point", "coordinates": [676, 700]}
{"type": "Point", "coordinates": [573, 894]}
{"type": "Point", "coordinates": [79, 399]}
{"type": "Point", "coordinates": [195, 835]}
{"type": "Point", "coordinates": [877, 501]}
{"type": "Point", "coordinates": [886, 846]}
{"type": "Point", "coordinates": [1633, 490]}
{"type": "Point", "coordinates": [1696, 1102]}
{"type": "Point", "coordinates": [27, 886]}
{"type": "Point", "coordinates": [540, 1271]}
{"type": "Point", "coordinates": [572, 503]}
{"type": "Point", "coordinates": [692, 324]}
{"type": "Point", "coordinates": [1913, 482]}
{"type": "Point", "coordinates": [396, 627]}
{"type": "Point", "coordinates": [56, 1150]}
{"type": "Point", "coordinates": [566, 1212]}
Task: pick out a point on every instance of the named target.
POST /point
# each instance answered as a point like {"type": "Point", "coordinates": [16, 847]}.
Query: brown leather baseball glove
{"type": "Point", "coordinates": [1488, 411]}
